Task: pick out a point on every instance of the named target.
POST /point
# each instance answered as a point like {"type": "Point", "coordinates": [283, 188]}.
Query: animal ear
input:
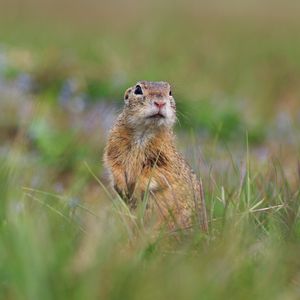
{"type": "Point", "coordinates": [126, 95]}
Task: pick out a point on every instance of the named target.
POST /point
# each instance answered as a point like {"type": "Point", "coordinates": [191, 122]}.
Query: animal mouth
{"type": "Point", "coordinates": [156, 116]}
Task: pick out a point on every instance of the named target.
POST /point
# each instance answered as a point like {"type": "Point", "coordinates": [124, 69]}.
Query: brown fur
{"type": "Point", "coordinates": [140, 158]}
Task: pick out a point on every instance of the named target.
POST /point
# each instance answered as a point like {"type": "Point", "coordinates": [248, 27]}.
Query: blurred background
{"type": "Point", "coordinates": [64, 65]}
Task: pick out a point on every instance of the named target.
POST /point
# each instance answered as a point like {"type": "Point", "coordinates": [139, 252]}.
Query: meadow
{"type": "Point", "coordinates": [234, 69]}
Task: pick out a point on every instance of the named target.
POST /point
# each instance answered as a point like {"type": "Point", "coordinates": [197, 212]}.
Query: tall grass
{"type": "Point", "coordinates": [55, 247]}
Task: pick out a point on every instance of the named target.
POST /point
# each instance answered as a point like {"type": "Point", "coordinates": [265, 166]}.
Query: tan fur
{"type": "Point", "coordinates": [141, 154]}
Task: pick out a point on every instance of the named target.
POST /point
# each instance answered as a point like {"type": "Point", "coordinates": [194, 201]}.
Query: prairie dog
{"type": "Point", "coordinates": [141, 156]}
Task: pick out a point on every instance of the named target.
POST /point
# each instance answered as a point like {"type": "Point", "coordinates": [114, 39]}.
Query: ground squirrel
{"type": "Point", "coordinates": [141, 156]}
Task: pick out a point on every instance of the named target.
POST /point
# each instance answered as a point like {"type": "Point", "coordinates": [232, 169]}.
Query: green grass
{"type": "Point", "coordinates": [55, 246]}
{"type": "Point", "coordinates": [234, 69]}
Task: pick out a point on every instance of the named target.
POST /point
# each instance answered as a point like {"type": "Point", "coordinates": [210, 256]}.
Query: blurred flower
{"type": "Point", "coordinates": [78, 104]}
{"type": "Point", "coordinates": [67, 91]}
{"type": "Point", "coordinates": [71, 98]}
{"type": "Point", "coordinates": [262, 154]}
{"type": "Point", "coordinates": [73, 202]}
{"type": "Point", "coordinates": [24, 83]}
{"type": "Point", "coordinates": [101, 115]}
{"type": "Point", "coordinates": [59, 187]}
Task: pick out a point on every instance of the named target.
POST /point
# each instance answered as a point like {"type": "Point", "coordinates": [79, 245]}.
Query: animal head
{"type": "Point", "coordinates": [150, 105]}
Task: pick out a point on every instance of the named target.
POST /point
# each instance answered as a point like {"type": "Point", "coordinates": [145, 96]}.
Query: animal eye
{"type": "Point", "coordinates": [170, 93]}
{"type": "Point", "coordinates": [138, 90]}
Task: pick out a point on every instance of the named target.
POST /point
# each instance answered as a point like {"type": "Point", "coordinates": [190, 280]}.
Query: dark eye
{"type": "Point", "coordinates": [170, 93]}
{"type": "Point", "coordinates": [138, 90]}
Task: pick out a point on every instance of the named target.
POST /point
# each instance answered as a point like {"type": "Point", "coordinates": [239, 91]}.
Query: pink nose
{"type": "Point", "coordinates": [159, 104]}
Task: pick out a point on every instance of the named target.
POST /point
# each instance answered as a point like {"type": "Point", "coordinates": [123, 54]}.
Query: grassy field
{"type": "Point", "coordinates": [234, 68]}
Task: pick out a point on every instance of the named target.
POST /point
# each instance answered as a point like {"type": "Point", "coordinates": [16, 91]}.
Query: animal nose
{"type": "Point", "coordinates": [159, 103]}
